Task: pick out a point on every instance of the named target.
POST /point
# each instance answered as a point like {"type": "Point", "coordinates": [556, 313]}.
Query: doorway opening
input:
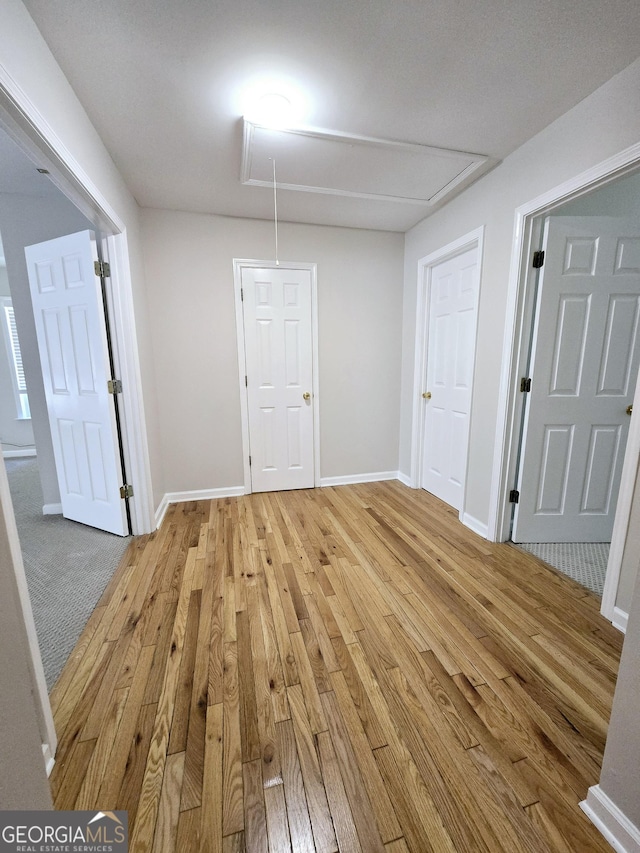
{"type": "Point", "coordinates": [446, 323]}
{"type": "Point", "coordinates": [611, 181]}
{"type": "Point", "coordinates": [42, 154]}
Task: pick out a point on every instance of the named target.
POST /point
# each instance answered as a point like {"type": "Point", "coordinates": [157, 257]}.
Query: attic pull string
{"type": "Point", "coordinates": [275, 206]}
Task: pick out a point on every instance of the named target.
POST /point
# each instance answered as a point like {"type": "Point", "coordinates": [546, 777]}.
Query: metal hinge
{"type": "Point", "coordinates": [241, 294]}
{"type": "Point", "coordinates": [514, 496]}
{"type": "Point", "coordinates": [246, 382]}
{"type": "Point", "coordinates": [249, 462]}
{"type": "Point", "coordinates": [102, 269]}
{"type": "Point", "coordinates": [126, 491]}
{"type": "Point", "coordinates": [538, 259]}
{"type": "Point", "coordinates": [114, 386]}
{"type": "Point", "coordinates": [525, 385]}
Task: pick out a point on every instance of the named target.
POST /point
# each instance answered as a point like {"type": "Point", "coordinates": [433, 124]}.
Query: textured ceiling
{"type": "Point", "coordinates": [164, 83]}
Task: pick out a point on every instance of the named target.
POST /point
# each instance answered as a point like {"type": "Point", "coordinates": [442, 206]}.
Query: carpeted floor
{"type": "Point", "coordinates": [67, 566]}
{"type": "Point", "coordinates": [585, 562]}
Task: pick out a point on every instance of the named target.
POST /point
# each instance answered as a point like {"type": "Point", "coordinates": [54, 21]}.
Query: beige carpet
{"type": "Point", "coordinates": [67, 566]}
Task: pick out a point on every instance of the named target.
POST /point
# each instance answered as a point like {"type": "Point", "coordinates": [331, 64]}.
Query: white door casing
{"type": "Point", "coordinates": [584, 367]}
{"type": "Point", "coordinates": [70, 326]}
{"type": "Point", "coordinates": [451, 305]}
{"type": "Point", "coordinates": [277, 321]}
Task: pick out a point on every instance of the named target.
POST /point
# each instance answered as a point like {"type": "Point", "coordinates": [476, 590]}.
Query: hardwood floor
{"type": "Point", "coordinates": [339, 669]}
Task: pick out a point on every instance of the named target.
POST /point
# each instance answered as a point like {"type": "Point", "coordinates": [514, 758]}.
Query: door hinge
{"type": "Point", "coordinates": [241, 294]}
{"type": "Point", "coordinates": [126, 491]}
{"type": "Point", "coordinates": [246, 382]}
{"type": "Point", "coordinates": [114, 386]}
{"type": "Point", "coordinates": [525, 384]}
{"type": "Point", "coordinates": [514, 496]}
{"type": "Point", "coordinates": [249, 462]}
{"type": "Point", "coordinates": [538, 259]}
{"type": "Point", "coordinates": [102, 269]}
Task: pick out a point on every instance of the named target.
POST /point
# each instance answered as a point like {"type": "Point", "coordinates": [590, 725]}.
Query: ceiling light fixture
{"type": "Point", "coordinates": [273, 110]}
{"type": "Point", "coordinates": [276, 103]}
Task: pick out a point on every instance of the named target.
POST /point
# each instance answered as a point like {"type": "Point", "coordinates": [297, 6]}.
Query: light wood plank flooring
{"type": "Point", "coordinates": [338, 669]}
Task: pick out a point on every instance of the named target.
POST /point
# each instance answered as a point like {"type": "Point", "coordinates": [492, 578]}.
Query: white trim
{"type": "Point", "coordinates": [472, 240]}
{"type": "Point", "coordinates": [238, 265]}
{"type": "Point", "coordinates": [127, 362]}
{"type": "Point", "coordinates": [196, 495]}
{"type": "Point", "coordinates": [610, 821]}
{"type": "Point", "coordinates": [623, 514]}
{"type": "Point", "coordinates": [52, 509]}
{"type": "Point", "coordinates": [620, 619]}
{"type": "Point", "coordinates": [352, 479]}
{"type": "Point", "coordinates": [527, 218]}
{"type": "Point", "coordinates": [49, 760]}
{"type": "Point", "coordinates": [19, 454]}
{"type": "Point", "coordinates": [405, 480]}
{"type": "Point", "coordinates": [47, 730]}
{"type": "Point", "coordinates": [472, 523]}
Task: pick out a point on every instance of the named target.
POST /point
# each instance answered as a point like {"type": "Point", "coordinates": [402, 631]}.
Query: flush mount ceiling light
{"type": "Point", "coordinates": [273, 110]}
{"type": "Point", "coordinates": [274, 103]}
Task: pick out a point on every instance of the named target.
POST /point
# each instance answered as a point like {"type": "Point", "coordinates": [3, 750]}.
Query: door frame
{"type": "Point", "coordinates": [473, 240]}
{"type": "Point", "coordinates": [21, 119]}
{"type": "Point", "coordinates": [238, 265]}
{"type": "Point", "coordinates": [522, 281]}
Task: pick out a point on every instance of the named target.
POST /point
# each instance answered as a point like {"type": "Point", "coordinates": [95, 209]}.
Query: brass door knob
{"type": "Point", "coordinates": [306, 396]}
{"type": "Point", "coordinates": [427, 395]}
{"type": "Point", "coordinates": [629, 409]}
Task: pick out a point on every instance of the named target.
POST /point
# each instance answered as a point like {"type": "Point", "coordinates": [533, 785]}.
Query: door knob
{"type": "Point", "coordinates": [306, 396]}
{"type": "Point", "coordinates": [629, 409]}
{"type": "Point", "coordinates": [427, 395]}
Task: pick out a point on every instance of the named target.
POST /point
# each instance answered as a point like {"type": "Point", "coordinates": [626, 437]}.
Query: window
{"type": "Point", "coordinates": [15, 360]}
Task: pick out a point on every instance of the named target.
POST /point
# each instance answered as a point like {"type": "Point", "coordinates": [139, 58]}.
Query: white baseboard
{"type": "Point", "coordinates": [406, 480]}
{"type": "Point", "coordinates": [616, 827]}
{"type": "Point", "coordinates": [620, 619]}
{"type": "Point", "coordinates": [200, 495]}
{"type": "Point", "coordinates": [52, 509]}
{"type": "Point", "coordinates": [49, 760]}
{"type": "Point", "coordinates": [472, 523]}
{"type": "Point", "coordinates": [352, 479]}
{"type": "Point", "coordinates": [18, 454]}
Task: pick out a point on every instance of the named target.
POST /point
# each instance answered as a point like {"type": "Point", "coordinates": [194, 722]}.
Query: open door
{"type": "Point", "coordinates": [72, 341]}
{"type": "Point", "coordinates": [584, 368]}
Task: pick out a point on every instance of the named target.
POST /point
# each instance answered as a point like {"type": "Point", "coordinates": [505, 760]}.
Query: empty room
{"type": "Point", "coordinates": [328, 318]}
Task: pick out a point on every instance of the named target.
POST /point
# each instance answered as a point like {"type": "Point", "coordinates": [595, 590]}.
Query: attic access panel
{"type": "Point", "coordinates": [311, 160]}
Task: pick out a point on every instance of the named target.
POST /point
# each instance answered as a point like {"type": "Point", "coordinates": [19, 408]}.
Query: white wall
{"type": "Point", "coordinates": [606, 122]}
{"type": "Point", "coordinates": [189, 266]}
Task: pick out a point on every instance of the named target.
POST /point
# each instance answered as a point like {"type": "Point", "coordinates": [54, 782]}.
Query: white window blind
{"type": "Point", "coordinates": [16, 360]}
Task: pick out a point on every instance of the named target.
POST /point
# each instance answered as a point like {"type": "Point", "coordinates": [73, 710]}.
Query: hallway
{"type": "Point", "coordinates": [343, 668]}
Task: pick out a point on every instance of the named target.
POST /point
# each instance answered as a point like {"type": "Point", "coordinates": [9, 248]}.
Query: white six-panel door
{"type": "Point", "coordinates": [70, 326]}
{"type": "Point", "coordinates": [277, 315]}
{"type": "Point", "coordinates": [452, 308]}
{"type": "Point", "coordinates": [585, 363]}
